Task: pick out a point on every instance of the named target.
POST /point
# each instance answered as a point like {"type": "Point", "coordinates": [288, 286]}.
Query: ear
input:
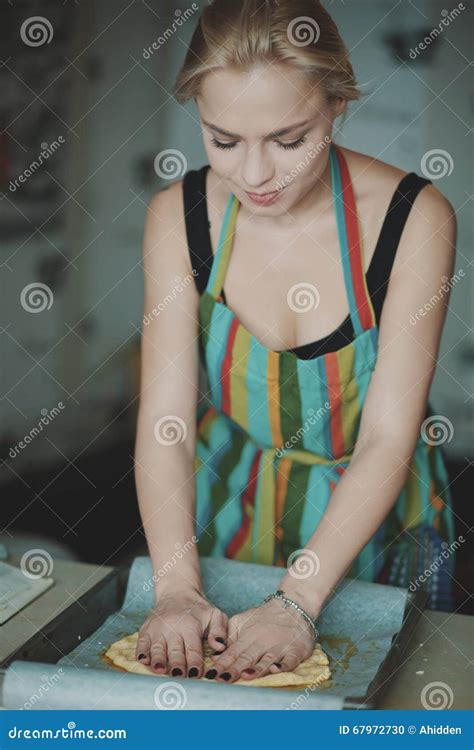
{"type": "Point", "coordinates": [339, 106]}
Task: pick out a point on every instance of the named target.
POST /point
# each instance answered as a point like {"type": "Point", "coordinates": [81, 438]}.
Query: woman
{"type": "Point", "coordinates": [314, 453]}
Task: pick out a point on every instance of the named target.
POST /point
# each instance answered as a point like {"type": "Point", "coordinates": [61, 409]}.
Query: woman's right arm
{"type": "Point", "coordinates": [166, 441]}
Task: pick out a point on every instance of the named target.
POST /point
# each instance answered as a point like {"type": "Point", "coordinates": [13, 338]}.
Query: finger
{"type": "Point", "coordinates": [217, 631]}
{"type": "Point", "coordinates": [194, 655]}
{"type": "Point", "coordinates": [230, 668]}
{"type": "Point", "coordinates": [289, 661]}
{"type": "Point", "coordinates": [262, 666]}
{"type": "Point", "coordinates": [176, 655]}
{"type": "Point", "coordinates": [158, 656]}
{"type": "Point", "coordinates": [142, 651]}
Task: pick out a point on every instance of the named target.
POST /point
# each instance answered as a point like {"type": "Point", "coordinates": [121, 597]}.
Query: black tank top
{"type": "Point", "coordinates": [378, 273]}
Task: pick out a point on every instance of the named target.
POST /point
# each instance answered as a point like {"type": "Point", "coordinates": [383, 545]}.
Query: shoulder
{"type": "Point", "coordinates": [431, 217]}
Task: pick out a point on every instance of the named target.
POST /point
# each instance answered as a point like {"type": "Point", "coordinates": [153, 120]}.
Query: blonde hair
{"type": "Point", "coordinates": [242, 33]}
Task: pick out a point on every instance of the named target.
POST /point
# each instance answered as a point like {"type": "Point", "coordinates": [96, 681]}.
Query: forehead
{"type": "Point", "coordinates": [258, 101]}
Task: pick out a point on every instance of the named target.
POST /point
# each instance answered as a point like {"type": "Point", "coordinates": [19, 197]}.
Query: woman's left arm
{"type": "Point", "coordinates": [410, 331]}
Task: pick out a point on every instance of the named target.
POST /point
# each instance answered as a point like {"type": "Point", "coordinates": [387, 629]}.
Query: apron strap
{"type": "Point", "coordinates": [224, 247]}
{"type": "Point", "coordinates": [360, 305]}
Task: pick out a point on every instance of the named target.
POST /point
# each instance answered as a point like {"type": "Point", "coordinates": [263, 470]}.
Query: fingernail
{"type": "Point", "coordinates": [158, 665]}
{"type": "Point", "coordinates": [221, 640]}
{"type": "Point", "coordinates": [250, 671]}
{"type": "Point", "coordinates": [176, 671]}
{"type": "Point", "coordinates": [141, 656]}
{"type": "Point", "coordinates": [277, 664]}
{"type": "Point", "coordinates": [226, 675]}
{"type": "Point", "coordinates": [216, 653]}
{"type": "Point", "coordinates": [210, 674]}
{"type": "Point", "coordinates": [193, 672]}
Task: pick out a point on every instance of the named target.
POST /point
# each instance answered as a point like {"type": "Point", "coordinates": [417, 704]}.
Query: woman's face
{"type": "Point", "coordinates": [266, 132]}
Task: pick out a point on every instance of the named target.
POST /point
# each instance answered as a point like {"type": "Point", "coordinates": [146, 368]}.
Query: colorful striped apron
{"type": "Point", "coordinates": [278, 432]}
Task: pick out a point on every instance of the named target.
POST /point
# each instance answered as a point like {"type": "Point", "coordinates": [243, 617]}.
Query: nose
{"type": "Point", "coordinates": [257, 170]}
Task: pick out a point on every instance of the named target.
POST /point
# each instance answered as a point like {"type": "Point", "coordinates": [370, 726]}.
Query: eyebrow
{"type": "Point", "coordinates": [275, 134]}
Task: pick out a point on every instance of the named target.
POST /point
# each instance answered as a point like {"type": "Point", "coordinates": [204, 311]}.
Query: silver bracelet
{"type": "Point", "coordinates": [289, 602]}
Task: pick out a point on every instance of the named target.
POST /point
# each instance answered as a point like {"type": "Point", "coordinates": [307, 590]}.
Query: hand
{"type": "Point", "coordinates": [171, 637]}
{"type": "Point", "coordinates": [262, 640]}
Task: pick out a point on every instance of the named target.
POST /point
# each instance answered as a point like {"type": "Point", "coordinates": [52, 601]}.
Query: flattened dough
{"type": "Point", "coordinates": [313, 671]}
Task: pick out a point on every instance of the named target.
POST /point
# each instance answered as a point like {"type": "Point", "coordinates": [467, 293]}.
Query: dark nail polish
{"type": "Point", "coordinates": [216, 653]}
{"type": "Point", "coordinates": [176, 671]}
{"type": "Point", "coordinates": [226, 675]}
{"type": "Point", "coordinates": [158, 665]}
{"type": "Point", "coordinates": [141, 656]}
{"type": "Point", "coordinates": [221, 640]}
{"type": "Point", "coordinates": [210, 674]}
{"type": "Point", "coordinates": [250, 670]}
{"type": "Point", "coordinates": [193, 672]}
{"type": "Point", "coordinates": [277, 664]}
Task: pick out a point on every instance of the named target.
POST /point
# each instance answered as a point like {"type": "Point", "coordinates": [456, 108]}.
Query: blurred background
{"type": "Point", "coordinates": [85, 110]}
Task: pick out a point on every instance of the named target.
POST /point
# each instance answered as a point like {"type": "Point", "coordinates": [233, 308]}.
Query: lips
{"type": "Point", "coordinates": [263, 199]}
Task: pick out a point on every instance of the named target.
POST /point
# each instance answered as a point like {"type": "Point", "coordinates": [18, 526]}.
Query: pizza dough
{"type": "Point", "coordinates": [313, 671]}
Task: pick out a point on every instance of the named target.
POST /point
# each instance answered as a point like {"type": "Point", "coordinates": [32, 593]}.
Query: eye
{"type": "Point", "coordinates": [219, 144]}
{"type": "Point", "coordinates": [295, 144]}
